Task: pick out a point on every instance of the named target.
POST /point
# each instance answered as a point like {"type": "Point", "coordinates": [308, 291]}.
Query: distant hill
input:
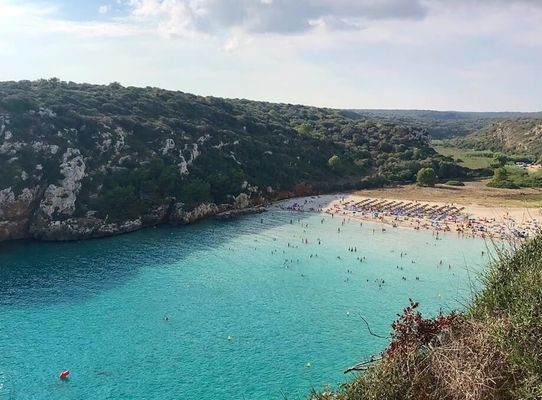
{"type": "Point", "coordinates": [518, 136]}
{"type": "Point", "coordinates": [82, 160]}
{"type": "Point", "coordinates": [441, 124]}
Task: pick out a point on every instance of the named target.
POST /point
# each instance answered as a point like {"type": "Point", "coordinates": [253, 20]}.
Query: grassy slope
{"type": "Point", "coordinates": [494, 351]}
{"type": "Point", "coordinates": [470, 158]}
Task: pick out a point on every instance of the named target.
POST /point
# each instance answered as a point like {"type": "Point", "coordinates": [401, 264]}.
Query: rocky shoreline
{"type": "Point", "coordinates": [240, 212]}
{"type": "Point", "coordinates": [24, 217]}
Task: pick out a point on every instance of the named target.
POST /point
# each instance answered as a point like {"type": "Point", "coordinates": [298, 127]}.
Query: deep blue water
{"type": "Point", "coordinates": [99, 307]}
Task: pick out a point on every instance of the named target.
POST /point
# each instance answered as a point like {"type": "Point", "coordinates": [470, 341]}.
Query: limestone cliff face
{"type": "Point", "coordinates": [26, 216]}
{"type": "Point", "coordinates": [22, 218]}
{"type": "Point", "coordinates": [43, 200]}
{"type": "Point", "coordinates": [181, 217]}
{"type": "Point", "coordinates": [16, 212]}
{"type": "Point", "coordinates": [52, 218]}
{"type": "Point", "coordinates": [525, 137]}
{"type": "Point", "coordinates": [56, 181]}
{"type": "Point", "coordinates": [521, 136]}
{"type": "Point", "coordinates": [49, 211]}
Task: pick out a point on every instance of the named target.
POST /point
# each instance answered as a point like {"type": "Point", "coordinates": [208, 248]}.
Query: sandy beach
{"type": "Point", "coordinates": [461, 219]}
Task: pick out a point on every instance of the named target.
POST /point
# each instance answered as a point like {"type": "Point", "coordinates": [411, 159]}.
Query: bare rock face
{"type": "Point", "coordinates": [84, 228]}
{"type": "Point", "coordinates": [61, 199]}
{"type": "Point", "coordinates": [48, 211]}
{"type": "Point", "coordinates": [16, 212]}
{"type": "Point", "coordinates": [53, 216]}
{"type": "Point", "coordinates": [241, 201]}
{"type": "Point", "coordinates": [156, 215]}
{"type": "Point", "coordinates": [180, 217]}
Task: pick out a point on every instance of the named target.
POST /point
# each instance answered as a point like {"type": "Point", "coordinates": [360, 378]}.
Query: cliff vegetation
{"type": "Point", "coordinates": [82, 160]}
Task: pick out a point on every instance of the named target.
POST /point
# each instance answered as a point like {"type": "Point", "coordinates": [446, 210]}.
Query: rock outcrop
{"type": "Point", "coordinates": [16, 212]}
{"type": "Point", "coordinates": [240, 212]}
{"type": "Point", "coordinates": [179, 216]}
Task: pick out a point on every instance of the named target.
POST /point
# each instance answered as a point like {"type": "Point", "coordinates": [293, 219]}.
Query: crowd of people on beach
{"type": "Point", "coordinates": [436, 217]}
{"type": "Point", "coordinates": [423, 215]}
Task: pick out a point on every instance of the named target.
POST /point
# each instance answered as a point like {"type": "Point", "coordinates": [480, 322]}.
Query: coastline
{"type": "Point", "coordinates": [468, 220]}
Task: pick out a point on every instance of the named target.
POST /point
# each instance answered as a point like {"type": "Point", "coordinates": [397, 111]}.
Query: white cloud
{"type": "Point", "coordinates": [465, 54]}
{"type": "Point", "coordinates": [34, 20]}
{"type": "Point", "coordinates": [10, 10]}
{"type": "Point", "coordinates": [215, 17]}
{"type": "Point", "coordinates": [104, 9]}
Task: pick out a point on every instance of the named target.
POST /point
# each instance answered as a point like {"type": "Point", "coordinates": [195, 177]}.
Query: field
{"type": "Point", "coordinates": [476, 193]}
{"type": "Point", "coordinates": [471, 158]}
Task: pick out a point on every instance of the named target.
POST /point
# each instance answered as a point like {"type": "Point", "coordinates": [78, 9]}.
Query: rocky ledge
{"type": "Point", "coordinates": [24, 217]}
{"type": "Point", "coordinates": [240, 212]}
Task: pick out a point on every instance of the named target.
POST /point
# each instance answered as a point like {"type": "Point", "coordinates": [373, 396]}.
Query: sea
{"type": "Point", "coordinates": [267, 306]}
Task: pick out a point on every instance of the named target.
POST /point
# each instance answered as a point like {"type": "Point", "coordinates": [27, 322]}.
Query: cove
{"type": "Point", "coordinates": [148, 315]}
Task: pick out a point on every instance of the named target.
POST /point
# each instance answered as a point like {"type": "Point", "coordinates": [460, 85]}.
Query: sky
{"type": "Point", "coordinates": [465, 55]}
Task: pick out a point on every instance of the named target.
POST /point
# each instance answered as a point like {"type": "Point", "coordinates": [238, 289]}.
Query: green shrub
{"type": "Point", "coordinates": [426, 177]}
{"type": "Point", "coordinates": [195, 192]}
{"type": "Point", "coordinates": [505, 184]}
{"type": "Point", "coordinates": [501, 180]}
{"type": "Point", "coordinates": [334, 161]}
{"type": "Point", "coordinates": [455, 183]}
{"type": "Point", "coordinates": [121, 203]}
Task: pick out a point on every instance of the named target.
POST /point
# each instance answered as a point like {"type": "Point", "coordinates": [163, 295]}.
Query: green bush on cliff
{"type": "Point", "coordinates": [195, 192]}
{"type": "Point", "coordinates": [121, 203]}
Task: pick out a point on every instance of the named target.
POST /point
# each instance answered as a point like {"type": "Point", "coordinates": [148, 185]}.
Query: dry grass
{"type": "Point", "coordinates": [472, 193]}
{"type": "Point", "coordinates": [469, 366]}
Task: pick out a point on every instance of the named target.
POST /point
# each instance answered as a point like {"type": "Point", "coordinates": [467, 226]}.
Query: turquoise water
{"type": "Point", "coordinates": [99, 307]}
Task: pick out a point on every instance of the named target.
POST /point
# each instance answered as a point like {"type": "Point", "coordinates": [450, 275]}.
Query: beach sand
{"type": "Point", "coordinates": [458, 218]}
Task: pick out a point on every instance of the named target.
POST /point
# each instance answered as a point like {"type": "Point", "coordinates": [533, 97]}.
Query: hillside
{"type": "Point", "coordinates": [518, 136]}
{"type": "Point", "coordinates": [81, 160]}
{"type": "Point", "coordinates": [443, 124]}
{"type": "Point", "coordinates": [492, 351]}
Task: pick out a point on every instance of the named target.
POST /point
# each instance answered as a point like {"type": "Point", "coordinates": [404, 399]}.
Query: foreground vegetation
{"type": "Point", "coordinates": [492, 351]}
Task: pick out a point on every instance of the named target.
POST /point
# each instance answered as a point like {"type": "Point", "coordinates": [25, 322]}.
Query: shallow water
{"type": "Point", "coordinates": [99, 307]}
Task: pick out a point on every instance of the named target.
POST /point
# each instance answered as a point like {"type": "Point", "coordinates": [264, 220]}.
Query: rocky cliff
{"type": "Point", "coordinates": [82, 161]}
{"type": "Point", "coordinates": [518, 136]}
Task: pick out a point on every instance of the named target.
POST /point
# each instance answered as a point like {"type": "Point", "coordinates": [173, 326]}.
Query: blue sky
{"type": "Point", "coordinates": [475, 55]}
